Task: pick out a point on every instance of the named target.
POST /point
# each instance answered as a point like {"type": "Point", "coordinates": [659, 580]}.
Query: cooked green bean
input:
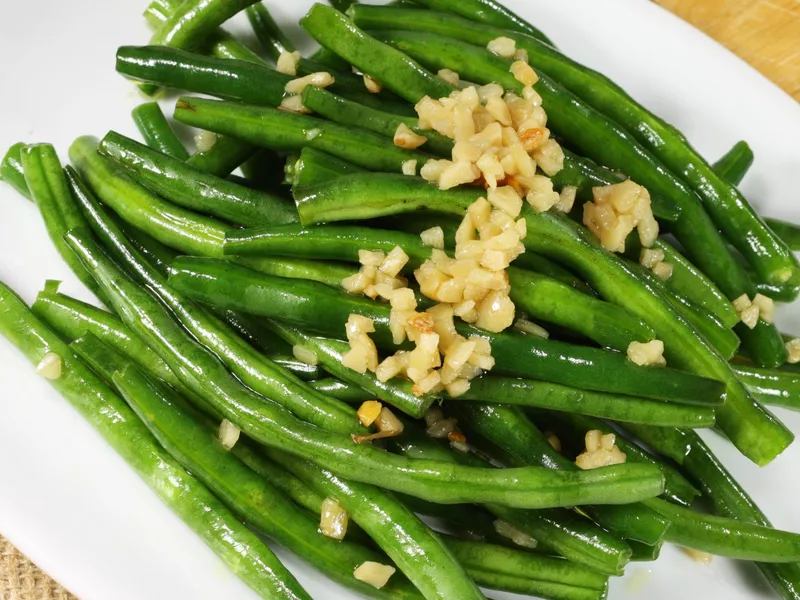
{"type": "Point", "coordinates": [196, 447]}
{"type": "Point", "coordinates": [396, 71]}
{"type": "Point", "coordinates": [312, 166]}
{"type": "Point", "coordinates": [223, 157]}
{"type": "Point", "coordinates": [416, 550]}
{"type": "Point", "coordinates": [584, 127]}
{"type": "Point", "coordinates": [185, 186]}
{"type": "Point", "coordinates": [11, 170]}
{"type": "Point", "coordinates": [324, 310]}
{"type": "Point", "coordinates": [156, 131]}
{"type": "Point", "coordinates": [776, 388]}
{"type": "Point", "coordinates": [45, 179]}
{"type": "Point", "coordinates": [340, 390]}
{"type": "Point", "coordinates": [251, 366]}
{"type": "Point", "coordinates": [719, 487]}
{"type": "Point", "coordinates": [330, 354]}
{"type": "Point", "coordinates": [269, 34]}
{"type": "Point", "coordinates": [290, 132]}
{"type": "Point", "coordinates": [235, 544]}
{"type": "Point", "coordinates": [735, 164]}
{"type": "Point", "coordinates": [510, 429]}
{"type": "Point", "coordinates": [551, 396]}
{"type": "Point", "coordinates": [788, 232]}
{"type": "Point", "coordinates": [536, 295]}
{"type": "Point", "coordinates": [272, 425]}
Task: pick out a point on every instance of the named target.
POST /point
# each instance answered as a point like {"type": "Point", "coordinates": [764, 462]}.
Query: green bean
{"type": "Point", "coordinates": [776, 388]}
{"type": "Point", "coordinates": [269, 34]}
{"type": "Point", "coordinates": [581, 125]}
{"type": "Point", "coordinates": [323, 56]}
{"type": "Point", "coordinates": [396, 71]}
{"type": "Point", "coordinates": [270, 424]}
{"type": "Point", "coordinates": [734, 165]}
{"type": "Point", "coordinates": [788, 232]}
{"type": "Point", "coordinates": [223, 157]}
{"type": "Point", "coordinates": [330, 354]}
{"type": "Point", "coordinates": [340, 390]}
{"type": "Point", "coordinates": [45, 179]}
{"type": "Point", "coordinates": [510, 429]}
{"type": "Point", "coordinates": [752, 429]}
{"type": "Point", "coordinates": [489, 12]}
{"type": "Point", "coordinates": [729, 209]}
{"type": "Point", "coordinates": [312, 166]}
{"type": "Point", "coordinates": [571, 429]}
{"type": "Point", "coordinates": [645, 552]}
{"type": "Point", "coordinates": [329, 273]}
{"type": "Point", "coordinates": [264, 171]}
{"type": "Point", "coordinates": [537, 295]}
{"type": "Point", "coordinates": [501, 568]}
{"type": "Point", "coordinates": [540, 394]}
{"type": "Point", "coordinates": [218, 43]}
{"type": "Point", "coordinates": [416, 550]}
{"type": "Point", "coordinates": [156, 131]}
{"type": "Point", "coordinates": [563, 531]}
{"type": "Point", "coordinates": [236, 545]}
{"type": "Point", "coordinates": [289, 132]}
{"type": "Point", "coordinates": [720, 488]}
{"type": "Point", "coordinates": [175, 181]}
{"type": "Point", "coordinates": [727, 537]}
{"type": "Point", "coordinates": [197, 448]}
{"type": "Point", "coordinates": [241, 80]}
{"type": "Point", "coordinates": [11, 170]}
{"type": "Point", "coordinates": [347, 112]}
{"type": "Point", "coordinates": [252, 367]}
{"type": "Point", "coordinates": [324, 310]}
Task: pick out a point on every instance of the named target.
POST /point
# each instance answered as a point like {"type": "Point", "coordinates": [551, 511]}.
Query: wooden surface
{"type": "Point", "coordinates": [765, 33]}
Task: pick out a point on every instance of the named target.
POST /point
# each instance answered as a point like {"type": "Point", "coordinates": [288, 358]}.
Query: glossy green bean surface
{"type": "Point", "coordinates": [11, 170]}
{"type": "Point", "coordinates": [156, 131]}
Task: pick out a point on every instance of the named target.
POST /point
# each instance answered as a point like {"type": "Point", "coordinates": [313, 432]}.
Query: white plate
{"type": "Point", "coordinates": [70, 504]}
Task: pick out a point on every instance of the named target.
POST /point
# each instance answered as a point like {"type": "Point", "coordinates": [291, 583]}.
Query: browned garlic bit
{"type": "Point", "coordinates": [751, 310]}
{"type": "Point", "coordinates": [375, 574]}
{"type": "Point", "coordinates": [406, 138]}
{"type": "Point", "coordinates": [553, 440]}
{"type": "Point", "coordinates": [292, 102]}
{"type": "Point", "coordinates": [333, 519]}
{"type": "Point", "coordinates": [793, 351]}
{"type": "Point", "coordinates": [373, 85]}
{"type": "Point", "coordinates": [369, 411]}
{"type": "Point", "coordinates": [647, 355]}
{"type": "Point", "coordinates": [287, 63]}
{"type": "Point", "coordinates": [616, 211]}
{"type": "Point", "coordinates": [654, 260]}
{"type": "Point", "coordinates": [387, 423]}
{"type": "Point", "coordinates": [601, 451]}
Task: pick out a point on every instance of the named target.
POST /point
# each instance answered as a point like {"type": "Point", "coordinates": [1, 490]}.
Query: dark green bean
{"type": "Point", "coordinates": [289, 132]}
{"type": "Point", "coordinates": [734, 165]}
{"type": "Point", "coordinates": [223, 157]}
{"type": "Point", "coordinates": [185, 186]}
{"type": "Point", "coordinates": [788, 232]}
{"type": "Point", "coordinates": [729, 209]}
{"type": "Point", "coordinates": [417, 551]}
{"type": "Point", "coordinates": [235, 544]}
{"type": "Point", "coordinates": [776, 388]}
{"type": "Point", "coordinates": [48, 187]}
{"type": "Point", "coordinates": [272, 425]}
{"type": "Point", "coordinates": [312, 167]}
{"type": "Point", "coordinates": [251, 366]}
{"type": "Point", "coordinates": [269, 34]}
{"type": "Point", "coordinates": [347, 112]}
{"type": "Point", "coordinates": [196, 447]}
{"type": "Point", "coordinates": [325, 310]}
{"type": "Point", "coordinates": [11, 170]}
{"type": "Point", "coordinates": [156, 131]}
{"type": "Point", "coordinates": [551, 396]}
{"type": "Point", "coordinates": [340, 390]}
{"type": "Point", "coordinates": [392, 68]}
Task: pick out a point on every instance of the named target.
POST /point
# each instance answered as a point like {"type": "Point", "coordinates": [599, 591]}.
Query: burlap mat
{"type": "Point", "coordinates": [20, 579]}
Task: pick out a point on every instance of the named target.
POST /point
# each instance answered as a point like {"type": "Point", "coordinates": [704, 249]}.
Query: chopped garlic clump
{"type": "Point", "coordinates": [333, 519]}
{"type": "Point", "coordinates": [50, 366]}
{"type": "Point", "coordinates": [287, 63]}
{"type": "Point", "coordinates": [647, 355]}
{"type": "Point", "coordinates": [375, 574]}
{"type": "Point", "coordinates": [793, 351]}
{"type": "Point", "coordinates": [601, 451]}
{"type": "Point", "coordinates": [616, 211]}
{"type": "Point", "coordinates": [750, 311]}
{"type": "Point", "coordinates": [654, 260]}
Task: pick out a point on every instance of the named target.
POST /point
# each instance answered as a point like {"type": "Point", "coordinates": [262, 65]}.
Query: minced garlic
{"type": "Point", "coordinates": [50, 366]}
{"type": "Point", "coordinates": [405, 137]}
{"type": "Point", "coordinates": [373, 573]}
{"type": "Point", "coordinates": [647, 355]}
{"type": "Point", "coordinates": [601, 451]}
{"type": "Point", "coordinates": [321, 80]}
{"type": "Point", "coordinates": [653, 259]}
{"type": "Point", "coordinates": [616, 211]}
{"type": "Point", "coordinates": [333, 519]}
{"type": "Point", "coordinates": [750, 311]}
{"type": "Point", "coordinates": [287, 63]}
{"type": "Point", "coordinates": [793, 351]}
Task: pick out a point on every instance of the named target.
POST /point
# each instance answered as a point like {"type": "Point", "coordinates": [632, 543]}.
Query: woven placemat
{"type": "Point", "coordinates": [20, 579]}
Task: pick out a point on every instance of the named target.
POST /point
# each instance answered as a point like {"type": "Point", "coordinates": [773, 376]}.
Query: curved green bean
{"type": "Point", "coordinates": [223, 157]}
{"type": "Point", "coordinates": [734, 165]}
{"type": "Point", "coordinates": [235, 544]}
{"type": "Point", "coordinates": [269, 34]}
{"type": "Point", "coordinates": [11, 170]}
{"type": "Point", "coordinates": [156, 131]}
{"type": "Point", "coordinates": [312, 166]}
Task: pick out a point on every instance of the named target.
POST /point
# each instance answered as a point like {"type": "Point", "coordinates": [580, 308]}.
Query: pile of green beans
{"type": "Point", "coordinates": [225, 309]}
